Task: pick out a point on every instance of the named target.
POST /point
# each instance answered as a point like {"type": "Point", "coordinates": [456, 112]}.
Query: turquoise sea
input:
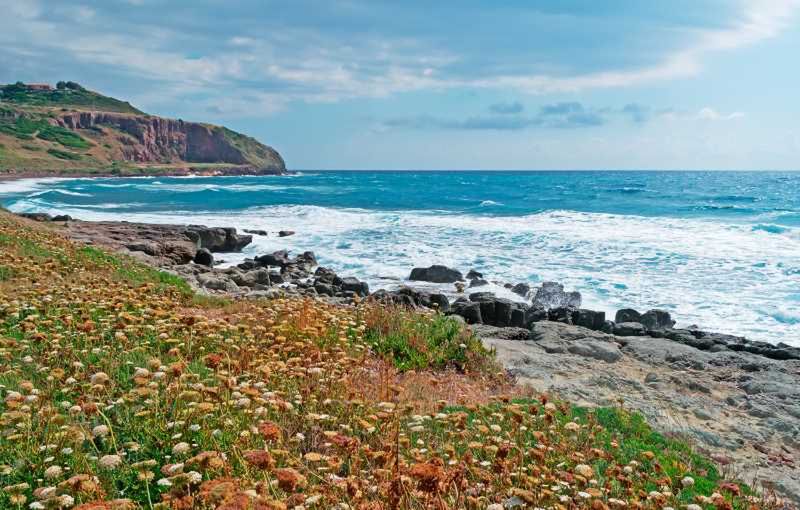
{"type": "Point", "coordinates": [718, 249]}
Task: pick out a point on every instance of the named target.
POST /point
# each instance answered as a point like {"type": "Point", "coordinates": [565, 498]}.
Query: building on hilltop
{"type": "Point", "coordinates": [38, 86]}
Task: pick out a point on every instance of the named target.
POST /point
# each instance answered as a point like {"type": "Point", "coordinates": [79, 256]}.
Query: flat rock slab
{"type": "Point", "coordinates": [736, 406]}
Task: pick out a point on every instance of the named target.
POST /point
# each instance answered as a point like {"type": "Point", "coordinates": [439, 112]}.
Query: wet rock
{"type": "Point", "coordinates": [521, 289]}
{"type": "Point", "coordinates": [478, 282]}
{"type": "Point", "coordinates": [62, 217]}
{"type": "Point", "coordinates": [470, 311]}
{"type": "Point", "coordinates": [219, 239]}
{"type": "Point", "coordinates": [589, 319]}
{"type": "Point", "coordinates": [286, 233]}
{"type": "Point", "coordinates": [552, 295]}
{"type": "Point", "coordinates": [279, 258]}
{"type": "Point", "coordinates": [256, 232]}
{"type": "Point", "coordinates": [474, 275]}
{"type": "Point", "coordinates": [656, 319]}
{"type": "Point", "coordinates": [204, 257]}
{"type": "Point", "coordinates": [627, 315]}
{"type": "Point", "coordinates": [352, 284]}
{"type": "Point", "coordinates": [436, 274]}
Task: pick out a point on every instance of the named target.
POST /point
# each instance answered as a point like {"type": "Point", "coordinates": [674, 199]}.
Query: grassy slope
{"type": "Point", "coordinates": [31, 144]}
{"type": "Point", "coordinates": [119, 384]}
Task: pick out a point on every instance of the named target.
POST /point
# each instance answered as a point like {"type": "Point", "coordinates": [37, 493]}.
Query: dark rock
{"type": "Point", "coordinates": [441, 302]}
{"type": "Point", "coordinates": [481, 296]}
{"type": "Point", "coordinates": [552, 295]}
{"type": "Point", "coordinates": [36, 216]}
{"type": "Point", "coordinates": [351, 284]}
{"type": "Point", "coordinates": [325, 275]}
{"type": "Point", "coordinates": [253, 278]}
{"type": "Point", "coordinates": [502, 312]}
{"type": "Point", "coordinates": [324, 289]}
{"type": "Point", "coordinates": [589, 319]}
{"type": "Point", "coordinates": [534, 314]}
{"type": "Point", "coordinates": [279, 258]}
{"type": "Point", "coordinates": [474, 275]}
{"type": "Point", "coordinates": [478, 282]}
{"type": "Point", "coordinates": [470, 311]}
{"type": "Point", "coordinates": [204, 257]}
{"type": "Point", "coordinates": [561, 314]}
{"type": "Point", "coordinates": [219, 239]}
{"type": "Point", "coordinates": [608, 327]}
{"type": "Point", "coordinates": [436, 274]}
{"type": "Point", "coordinates": [627, 315]}
{"type": "Point", "coordinates": [62, 217]}
{"type": "Point", "coordinates": [521, 289]}
{"type": "Point", "coordinates": [629, 329]}
{"type": "Point", "coordinates": [256, 232]}
{"type": "Point", "coordinates": [656, 319]}
{"type": "Point", "coordinates": [286, 233]}
{"type": "Point", "coordinates": [517, 317]}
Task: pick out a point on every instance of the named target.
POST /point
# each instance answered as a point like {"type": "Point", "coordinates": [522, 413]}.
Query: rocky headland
{"type": "Point", "coordinates": [736, 399]}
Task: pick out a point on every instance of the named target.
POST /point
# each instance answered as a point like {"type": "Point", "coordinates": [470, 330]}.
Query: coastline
{"type": "Point", "coordinates": [155, 171]}
{"type": "Point", "coordinates": [737, 407]}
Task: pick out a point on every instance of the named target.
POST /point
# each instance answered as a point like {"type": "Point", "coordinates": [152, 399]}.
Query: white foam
{"type": "Point", "coordinates": [724, 277]}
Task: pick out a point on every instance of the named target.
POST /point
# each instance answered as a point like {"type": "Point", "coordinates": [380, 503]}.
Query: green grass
{"type": "Point", "coordinates": [414, 341]}
{"type": "Point", "coordinates": [26, 128]}
{"type": "Point", "coordinates": [76, 98]}
{"type": "Point", "coordinates": [6, 273]}
{"type": "Point", "coordinates": [71, 156]}
{"type": "Point", "coordinates": [132, 272]}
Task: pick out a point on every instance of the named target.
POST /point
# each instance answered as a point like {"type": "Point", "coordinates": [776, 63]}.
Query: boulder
{"type": "Point", "coordinates": [589, 319]}
{"type": "Point", "coordinates": [474, 275]}
{"type": "Point", "coordinates": [656, 319]}
{"type": "Point", "coordinates": [478, 282]}
{"type": "Point", "coordinates": [436, 274]}
{"type": "Point", "coordinates": [471, 312]}
{"type": "Point", "coordinates": [256, 232]}
{"type": "Point", "coordinates": [629, 329]}
{"type": "Point", "coordinates": [521, 289]}
{"type": "Point", "coordinates": [286, 233]}
{"type": "Point", "coordinates": [351, 284]}
{"type": "Point", "coordinates": [36, 216]}
{"type": "Point", "coordinates": [204, 257]}
{"type": "Point", "coordinates": [552, 295]}
{"type": "Point", "coordinates": [627, 315]}
{"type": "Point", "coordinates": [216, 282]}
{"type": "Point", "coordinates": [279, 258]}
{"type": "Point", "coordinates": [62, 217]}
{"type": "Point", "coordinates": [219, 239]}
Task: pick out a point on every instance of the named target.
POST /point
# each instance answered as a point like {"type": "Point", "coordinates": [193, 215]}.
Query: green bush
{"type": "Point", "coordinates": [70, 156]}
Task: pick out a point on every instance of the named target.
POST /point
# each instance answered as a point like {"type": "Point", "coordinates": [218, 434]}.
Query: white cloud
{"type": "Point", "coordinates": [709, 113]}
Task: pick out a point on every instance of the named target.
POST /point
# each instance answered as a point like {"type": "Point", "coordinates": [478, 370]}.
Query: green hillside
{"type": "Point", "coordinates": [65, 95]}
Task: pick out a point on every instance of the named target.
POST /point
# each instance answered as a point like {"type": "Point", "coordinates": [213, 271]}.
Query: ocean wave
{"type": "Point", "coordinates": [772, 229]}
{"type": "Point", "coordinates": [60, 191]}
{"type": "Point", "coordinates": [489, 203]}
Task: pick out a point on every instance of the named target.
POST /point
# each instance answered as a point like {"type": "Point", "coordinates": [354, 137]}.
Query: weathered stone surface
{"type": "Point", "coordinates": [436, 274]}
{"type": "Point", "coordinates": [604, 351]}
{"type": "Point", "coordinates": [627, 315]}
{"type": "Point", "coordinates": [656, 319]}
{"type": "Point", "coordinates": [204, 257]}
{"type": "Point", "coordinates": [552, 295]}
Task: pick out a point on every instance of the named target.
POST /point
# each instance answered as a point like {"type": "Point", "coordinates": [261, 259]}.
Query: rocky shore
{"type": "Point", "coordinates": [737, 399]}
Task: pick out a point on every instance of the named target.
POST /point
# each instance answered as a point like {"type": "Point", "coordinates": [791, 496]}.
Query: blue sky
{"type": "Point", "coordinates": [370, 84]}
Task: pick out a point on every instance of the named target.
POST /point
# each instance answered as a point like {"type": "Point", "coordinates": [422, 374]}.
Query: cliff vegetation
{"type": "Point", "coordinates": [68, 129]}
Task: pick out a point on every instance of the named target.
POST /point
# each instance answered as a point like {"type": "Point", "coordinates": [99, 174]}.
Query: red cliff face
{"type": "Point", "coordinates": [148, 139]}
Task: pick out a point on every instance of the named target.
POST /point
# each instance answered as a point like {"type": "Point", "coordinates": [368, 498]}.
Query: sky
{"type": "Point", "coordinates": [413, 84]}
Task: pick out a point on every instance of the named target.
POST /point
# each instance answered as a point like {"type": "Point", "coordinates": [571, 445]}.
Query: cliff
{"type": "Point", "coordinates": [49, 130]}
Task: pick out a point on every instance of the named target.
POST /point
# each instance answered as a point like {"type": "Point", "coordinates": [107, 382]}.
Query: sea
{"type": "Point", "coordinates": [720, 250]}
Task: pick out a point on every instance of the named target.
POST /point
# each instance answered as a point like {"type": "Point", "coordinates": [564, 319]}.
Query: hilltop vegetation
{"type": "Point", "coordinates": [71, 130]}
{"type": "Point", "coordinates": [122, 389]}
{"type": "Point", "coordinates": [68, 95]}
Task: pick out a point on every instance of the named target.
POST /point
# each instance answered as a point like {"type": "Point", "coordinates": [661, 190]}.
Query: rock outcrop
{"type": "Point", "coordinates": [150, 139]}
{"type": "Point", "coordinates": [436, 274]}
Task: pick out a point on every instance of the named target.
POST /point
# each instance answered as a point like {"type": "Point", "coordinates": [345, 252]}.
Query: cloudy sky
{"type": "Point", "coordinates": [413, 84]}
